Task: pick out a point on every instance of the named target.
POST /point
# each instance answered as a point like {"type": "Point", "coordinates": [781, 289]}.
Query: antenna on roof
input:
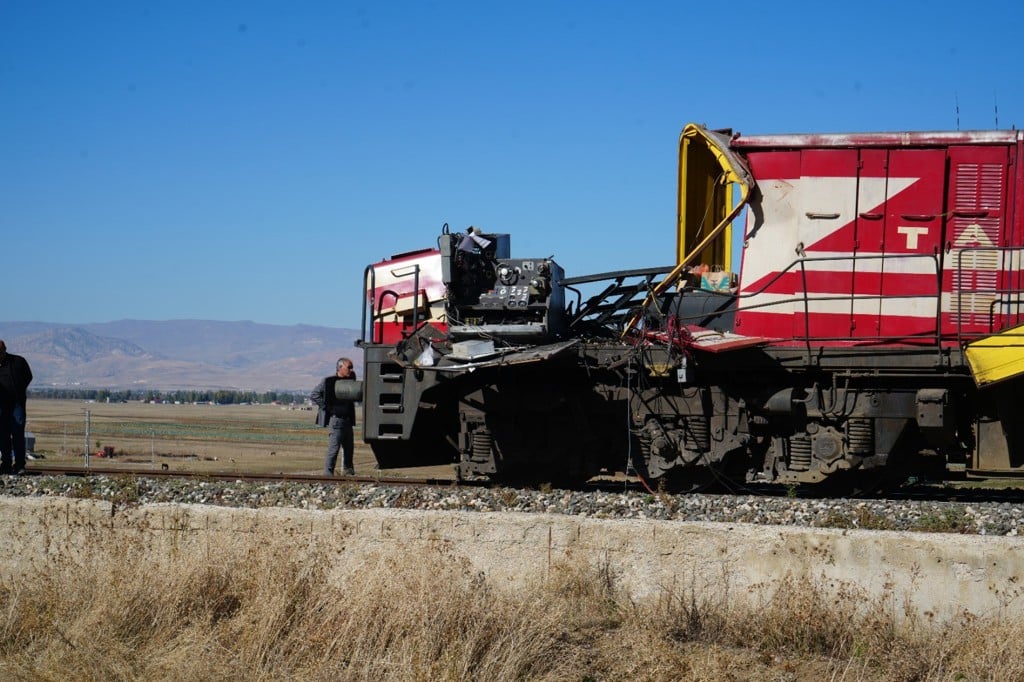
{"type": "Point", "coordinates": [995, 104]}
{"type": "Point", "coordinates": [956, 100]}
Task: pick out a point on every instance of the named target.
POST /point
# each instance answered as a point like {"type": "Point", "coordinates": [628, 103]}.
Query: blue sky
{"type": "Point", "coordinates": [246, 160]}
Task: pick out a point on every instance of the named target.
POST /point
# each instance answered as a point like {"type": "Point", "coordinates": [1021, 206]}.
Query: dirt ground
{"type": "Point", "coordinates": [207, 438]}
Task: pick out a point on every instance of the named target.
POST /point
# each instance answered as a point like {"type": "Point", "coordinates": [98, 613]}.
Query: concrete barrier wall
{"type": "Point", "coordinates": [938, 574]}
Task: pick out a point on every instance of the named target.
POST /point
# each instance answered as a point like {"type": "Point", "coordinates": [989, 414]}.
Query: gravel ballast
{"type": "Point", "coordinates": [982, 518]}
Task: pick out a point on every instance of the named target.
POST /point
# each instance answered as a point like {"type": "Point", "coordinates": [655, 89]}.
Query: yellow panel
{"type": "Point", "coordinates": [708, 174]}
{"type": "Point", "coordinates": [704, 201]}
{"type": "Point", "coordinates": [998, 357]}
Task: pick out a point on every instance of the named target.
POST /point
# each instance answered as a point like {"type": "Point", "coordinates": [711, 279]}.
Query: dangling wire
{"type": "Point", "coordinates": [629, 418]}
{"type": "Point", "coordinates": [635, 352]}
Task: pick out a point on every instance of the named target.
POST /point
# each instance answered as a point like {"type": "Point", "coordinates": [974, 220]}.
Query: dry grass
{"type": "Point", "coordinates": [271, 612]}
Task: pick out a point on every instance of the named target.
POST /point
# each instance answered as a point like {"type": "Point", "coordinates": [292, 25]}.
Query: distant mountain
{"type": "Point", "coordinates": [79, 346]}
{"type": "Point", "coordinates": [179, 354]}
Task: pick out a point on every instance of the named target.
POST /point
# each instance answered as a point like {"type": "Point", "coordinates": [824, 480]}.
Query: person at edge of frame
{"type": "Point", "coordinates": [15, 376]}
{"type": "Point", "coordinates": [337, 415]}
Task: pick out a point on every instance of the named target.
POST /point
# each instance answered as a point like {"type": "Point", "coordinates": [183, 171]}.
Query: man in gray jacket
{"type": "Point", "coordinates": [15, 376]}
{"type": "Point", "coordinates": [339, 416]}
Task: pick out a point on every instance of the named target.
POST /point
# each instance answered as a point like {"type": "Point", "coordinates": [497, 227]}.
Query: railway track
{"type": "Point", "coordinates": [982, 511]}
{"type": "Point", "coordinates": [233, 476]}
{"type": "Point", "coordinates": [921, 492]}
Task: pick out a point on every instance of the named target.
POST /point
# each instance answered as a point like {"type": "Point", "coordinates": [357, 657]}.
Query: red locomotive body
{"type": "Point", "coordinates": [863, 238]}
{"type": "Point", "coordinates": [871, 333]}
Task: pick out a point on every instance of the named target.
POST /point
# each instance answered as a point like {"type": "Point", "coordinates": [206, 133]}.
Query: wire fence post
{"type": "Point", "coordinates": [87, 432]}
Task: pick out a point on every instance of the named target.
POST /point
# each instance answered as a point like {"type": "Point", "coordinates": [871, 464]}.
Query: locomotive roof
{"type": "Point", "coordinates": [891, 139]}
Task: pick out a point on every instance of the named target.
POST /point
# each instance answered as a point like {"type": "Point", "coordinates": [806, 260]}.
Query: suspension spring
{"type": "Point", "coordinates": [483, 444]}
{"type": "Point", "coordinates": [698, 433]}
{"type": "Point", "coordinates": [799, 452]}
{"type": "Point", "coordinates": [861, 435]}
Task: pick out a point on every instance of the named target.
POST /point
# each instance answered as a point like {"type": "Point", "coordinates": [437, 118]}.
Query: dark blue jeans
{"type": "Point", "coordinates": [12, 438]}
{"type": "Point", "coordinates": [340, 439]}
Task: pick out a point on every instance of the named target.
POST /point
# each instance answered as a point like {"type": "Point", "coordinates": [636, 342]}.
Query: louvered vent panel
{"type": "Point", "coordinates": [966, 198]}
{"type": "Point", "coordinates": [979, 188]}
{"type": "Point", "coordinates": [991, 187]}
{"type": "Point", "coordinates": [976, 284]}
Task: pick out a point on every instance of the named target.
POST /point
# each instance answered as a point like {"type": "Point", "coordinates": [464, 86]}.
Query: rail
{"type": "Point", "coordinates": [369, 285]}
{"type": "Point", "coordinates": [979, 310]}
{"type": "Point", "coordinates": [618, 299]}
{"type": "Point", "coordinates": [370, 295]}
{"type": "Point", "coordinates": [1003, 306]}
{"type": "Point", "coordinates": [120, 472]}
{"type": "Point", "coordinates": [970, 491]}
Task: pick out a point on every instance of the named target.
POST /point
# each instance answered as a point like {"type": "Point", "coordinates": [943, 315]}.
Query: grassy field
{"type": "Point", "coordinates": [205, 438]}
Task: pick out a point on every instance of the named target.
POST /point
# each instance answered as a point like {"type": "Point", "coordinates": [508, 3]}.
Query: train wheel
{"type": "Point", "coordinates": [870, 483]}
